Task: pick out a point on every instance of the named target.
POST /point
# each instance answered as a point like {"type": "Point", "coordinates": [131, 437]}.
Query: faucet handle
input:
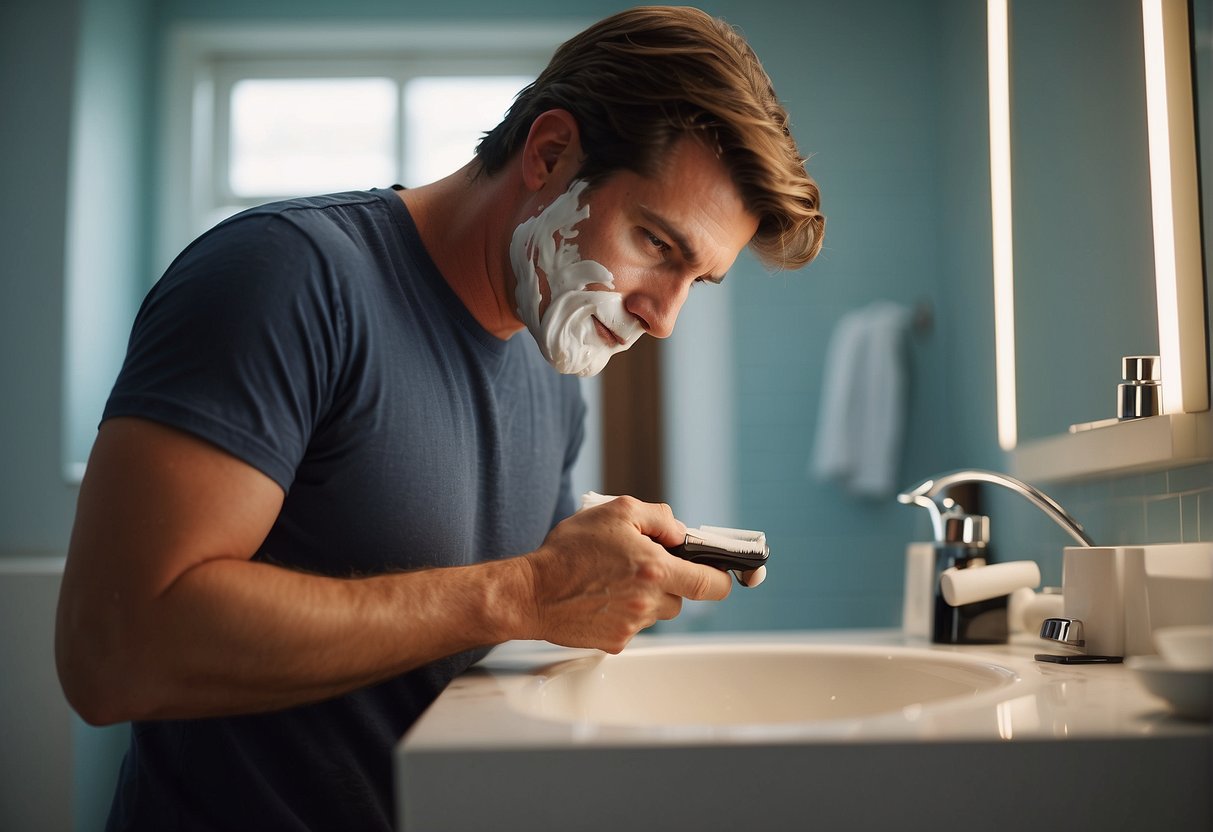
{"type": "Point", "coordinates": [1067, 631]}
{"type": "Point", "coordinates": [969, 529]}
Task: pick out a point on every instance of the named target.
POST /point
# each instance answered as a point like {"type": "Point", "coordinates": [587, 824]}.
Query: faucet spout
{"type": "Point", "coordinates": [925, 494]}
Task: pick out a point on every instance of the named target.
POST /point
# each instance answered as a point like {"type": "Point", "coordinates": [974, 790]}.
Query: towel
{"type": "Point", "coordinates": [863, 401]}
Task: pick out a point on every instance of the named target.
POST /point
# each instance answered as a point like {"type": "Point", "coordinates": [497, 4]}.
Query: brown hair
{"type": "Point", "coordinates": [640, 80]}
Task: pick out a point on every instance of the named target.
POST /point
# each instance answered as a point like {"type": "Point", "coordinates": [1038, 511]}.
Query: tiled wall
{"type": "Point", "coordinates": [1174, 506]}
{"type": "Point", "coordinates": [1167, 507]}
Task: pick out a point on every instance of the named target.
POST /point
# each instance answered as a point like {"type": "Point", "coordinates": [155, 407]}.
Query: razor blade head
{"type": "Point", "coordinates": [721, 558]}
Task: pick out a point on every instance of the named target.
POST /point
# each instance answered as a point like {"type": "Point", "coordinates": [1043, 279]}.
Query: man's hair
{"type": "Point", "coordinates": [640, 80]}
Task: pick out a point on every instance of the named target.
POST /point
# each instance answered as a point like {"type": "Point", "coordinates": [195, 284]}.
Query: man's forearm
{"type": "Point", "coordinates": [231, 636]}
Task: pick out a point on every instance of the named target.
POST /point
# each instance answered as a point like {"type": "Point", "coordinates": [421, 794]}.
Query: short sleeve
{"type": "Point", "coordinates": [239, 344]}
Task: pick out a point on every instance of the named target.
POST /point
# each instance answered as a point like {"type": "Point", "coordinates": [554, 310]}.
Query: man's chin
{"type": "Point", "coordinates": [584, 365]}
{"type": "Point", "coordinates": [575, 339]}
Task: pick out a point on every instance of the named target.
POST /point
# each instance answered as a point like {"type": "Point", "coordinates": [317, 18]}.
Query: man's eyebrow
{"type": "Point", "coordinates": [680, 240]}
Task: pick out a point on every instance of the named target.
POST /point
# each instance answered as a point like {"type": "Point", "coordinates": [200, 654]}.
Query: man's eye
{"type": "Point", "coordinates": [657, 243]}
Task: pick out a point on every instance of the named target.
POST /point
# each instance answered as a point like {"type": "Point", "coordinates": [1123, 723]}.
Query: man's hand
{"type": "Point", "coordinates": [604, 574]}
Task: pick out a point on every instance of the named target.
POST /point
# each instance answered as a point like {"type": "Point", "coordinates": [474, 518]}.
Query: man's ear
{"type": "Point", "coordinates": [552, 149]}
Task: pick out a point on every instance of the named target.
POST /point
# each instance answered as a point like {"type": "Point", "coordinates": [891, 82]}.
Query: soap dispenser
{"type": "Point", "coordinates": [965, 545]}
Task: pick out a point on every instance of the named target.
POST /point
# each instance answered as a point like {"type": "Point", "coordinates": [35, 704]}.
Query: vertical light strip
{"type": "Point", "coordinates": [998, 51]}
{"type": "Point", "coordinates": [1162, 205]}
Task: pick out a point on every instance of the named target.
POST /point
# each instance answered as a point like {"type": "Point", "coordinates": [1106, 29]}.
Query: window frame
{"type": "Point", "coordinates": [206, 60]}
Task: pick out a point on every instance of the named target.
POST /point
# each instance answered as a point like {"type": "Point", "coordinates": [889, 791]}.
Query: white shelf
{"type": "Point", "coordinates": [1125, 447]}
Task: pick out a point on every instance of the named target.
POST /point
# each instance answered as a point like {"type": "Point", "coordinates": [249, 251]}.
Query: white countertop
{"type": "Point", "coordinates": [1072, 747]}
{"type": "Point", "coordinates": [1046, 701]}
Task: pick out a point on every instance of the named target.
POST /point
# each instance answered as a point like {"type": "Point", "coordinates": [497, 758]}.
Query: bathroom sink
{"type": "Point", "coordinates": [751, 684]}
{"type": "Point", "coordinates": [829, 730]}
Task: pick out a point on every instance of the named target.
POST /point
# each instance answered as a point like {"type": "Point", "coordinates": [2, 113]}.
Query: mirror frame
{"type": "Point", "coordinates": [1184, 433]}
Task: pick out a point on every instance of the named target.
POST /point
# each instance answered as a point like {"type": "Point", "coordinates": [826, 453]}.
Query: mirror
{"type": "Point", "coordinates": [1096, 217]}
{"type": "Point", "coordinates": [1083, 254]}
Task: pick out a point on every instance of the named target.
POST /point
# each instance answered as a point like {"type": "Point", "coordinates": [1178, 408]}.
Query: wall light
{"type": "Point", "coordinates": [998, 51]}
{"type": "Point", "coordinates": [1175, 209]}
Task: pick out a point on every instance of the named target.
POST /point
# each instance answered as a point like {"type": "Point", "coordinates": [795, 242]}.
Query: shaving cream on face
{"type": "Point", "coordinates": [565, 331]}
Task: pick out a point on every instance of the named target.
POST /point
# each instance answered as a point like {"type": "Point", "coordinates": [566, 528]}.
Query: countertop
{"type": "Point", "coordinates": [1061, 746]}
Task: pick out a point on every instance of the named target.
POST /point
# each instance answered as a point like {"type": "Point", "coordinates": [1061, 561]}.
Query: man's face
{"type": "Point", "coordinates": [597, 269]}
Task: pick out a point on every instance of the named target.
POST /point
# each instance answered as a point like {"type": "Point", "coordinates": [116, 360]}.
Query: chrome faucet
{"type": "Point", "coordinates": [925, 494]}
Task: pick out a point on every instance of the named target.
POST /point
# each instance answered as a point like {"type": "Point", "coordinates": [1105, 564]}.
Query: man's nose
{"type": "Point", "coordinates": [658, 309]}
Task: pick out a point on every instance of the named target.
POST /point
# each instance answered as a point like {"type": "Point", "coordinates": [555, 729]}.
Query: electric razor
{"type": "Point", "coordinates": [740, 551]}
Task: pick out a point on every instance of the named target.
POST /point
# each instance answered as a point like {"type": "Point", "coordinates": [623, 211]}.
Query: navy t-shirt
{"type": "Point", "coordinates": [316, 340]}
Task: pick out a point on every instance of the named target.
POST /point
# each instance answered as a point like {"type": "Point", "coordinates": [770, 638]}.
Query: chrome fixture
{"type": "Point", "coordinates": [1140, 393]}
{"type": "Point", "coordinates": [927, 494]}
{"type": "Point", "coordinates": [1067, 631]}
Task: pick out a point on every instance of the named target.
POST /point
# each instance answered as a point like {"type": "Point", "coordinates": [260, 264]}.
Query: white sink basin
{"type": "Point", "coordinates": [827, 730]}
{"type": "Point", "coordinates": [751, 684]}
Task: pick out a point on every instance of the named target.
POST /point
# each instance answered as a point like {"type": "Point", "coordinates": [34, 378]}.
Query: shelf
{"type": "Point", "coordinates": [1149, 444]}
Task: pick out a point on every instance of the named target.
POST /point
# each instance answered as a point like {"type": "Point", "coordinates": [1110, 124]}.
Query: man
{"type": "Point", "coordinates": [330, 476]}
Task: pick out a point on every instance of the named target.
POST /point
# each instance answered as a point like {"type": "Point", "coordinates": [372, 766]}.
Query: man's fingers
{"type": "Point", "coordinates": [698, 582]}
{"type": "Point", "coordinates": [686, 579]}
{"type": "Point", "coordinates": [655, 520]}
{"type": "Point", "coordinates": [669, 607]}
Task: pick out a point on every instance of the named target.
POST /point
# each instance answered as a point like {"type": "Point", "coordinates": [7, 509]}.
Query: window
{"type": "Point", "coordinates": [283, 130]}
{"type": "Point", "coordinates": [258, 113]}
{"type": "Point", "coordinates": [288, 136]}
{"type": "Point", "coordinates": [445, 117]}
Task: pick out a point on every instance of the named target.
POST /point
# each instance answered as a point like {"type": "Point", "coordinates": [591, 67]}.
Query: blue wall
{"type": "Point", "coordinates": [865, 87]}
{"type": "Point", "coordinates": [106, 268]}
{"type": "Point", "coordinates": [38, 60]}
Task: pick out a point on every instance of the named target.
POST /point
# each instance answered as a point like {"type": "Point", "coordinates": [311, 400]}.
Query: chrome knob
{"type": "Point", "coordinates": [1140, 368]}
{"type": "Point", "coordinates": [1067, 631]}
{"type": "Point", "coordinates": [1141, 393]}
